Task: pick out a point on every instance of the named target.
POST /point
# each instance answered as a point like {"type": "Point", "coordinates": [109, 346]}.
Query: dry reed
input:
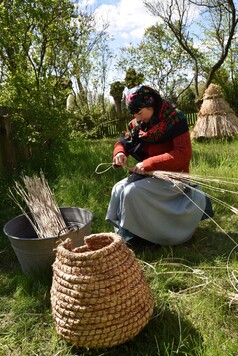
{"type": "Point", "coordinates": [45, 216]}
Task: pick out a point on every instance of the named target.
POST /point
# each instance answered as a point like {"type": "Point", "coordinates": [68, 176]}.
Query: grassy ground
{"type": "Point", "coordinates": [192, 284]}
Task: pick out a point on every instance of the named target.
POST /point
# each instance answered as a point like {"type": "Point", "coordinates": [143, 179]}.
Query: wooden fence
{"type": "Point", "coordinates": [114, 128]}
{"type": "Point", "coordinates": [191, 118]}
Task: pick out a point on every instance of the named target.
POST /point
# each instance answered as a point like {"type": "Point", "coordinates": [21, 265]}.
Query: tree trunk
{"type": "Point", "coordinates": [7, 147]}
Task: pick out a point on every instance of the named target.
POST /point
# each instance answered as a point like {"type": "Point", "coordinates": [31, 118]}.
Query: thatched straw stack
{"type": "Point", "coordinates": [215, 118]}
{"type": "Point", "coordinates": [99, 294]}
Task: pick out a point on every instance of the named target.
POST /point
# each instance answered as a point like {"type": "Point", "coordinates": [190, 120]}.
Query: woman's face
{"type": "Point", "coordinates": [144, 114]}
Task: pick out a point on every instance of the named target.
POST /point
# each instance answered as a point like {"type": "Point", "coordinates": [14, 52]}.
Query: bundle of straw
{"type": "Point", "coordinates": [192, 180]}
{"type": "Point", "coordinates": [189, 180]}
{"type": "Point", "coordinates": [45, 216]}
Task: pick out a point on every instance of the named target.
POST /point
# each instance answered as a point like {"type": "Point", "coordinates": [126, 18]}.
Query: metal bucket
{"type": "Point", "coordinates": [36, 255]}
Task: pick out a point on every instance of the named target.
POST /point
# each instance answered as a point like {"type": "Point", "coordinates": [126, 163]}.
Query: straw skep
{"type": "Point", "coordinates": [215, 118]}
{"type": "Point", "coordinates": [99, 294]}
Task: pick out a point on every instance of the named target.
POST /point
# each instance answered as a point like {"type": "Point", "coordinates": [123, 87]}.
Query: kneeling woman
{"type": "Point", "coordinates": [154, 209]}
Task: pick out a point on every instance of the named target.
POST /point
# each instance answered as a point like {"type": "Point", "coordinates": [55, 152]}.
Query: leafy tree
{"type": "Point", "coordinates": [159, 59]}
{"type": "Point", "coordinates": [116, 91]}
{"type": "Point", "coordinates": [102, 62]}
{"type": "Point", "coordinates": [90, 49]}
{"type": "Point", "coordinates": [90, 66]}
{"type": "Point", "coordinates": [47, 51]}
{"type": "Point", "coordinates": [219, 21]}
{"type": "Point", "coordinates": [132, 78]}
{"type": "Point", "coordinates": [229, 86]}
{"type": "Point", "coordinates": [227, 77]}
{"type": "Point", "coordinates": [186, 101]}
{"type": "Point", "coordinates": [36, 46]}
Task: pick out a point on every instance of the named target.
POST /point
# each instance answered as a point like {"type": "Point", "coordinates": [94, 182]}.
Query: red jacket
{"type": "Point", "coordinates": [173, 155]}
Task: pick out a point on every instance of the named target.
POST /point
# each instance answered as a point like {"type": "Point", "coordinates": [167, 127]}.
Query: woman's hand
{"type": "Point", "coordinates": [139, 168]}
{"type": "Point", "coordinates": [119, 160]}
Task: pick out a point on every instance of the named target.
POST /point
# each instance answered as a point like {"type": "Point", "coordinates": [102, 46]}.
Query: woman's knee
{"type": "Point", "coordinates": [118, 188]}
{"type": "Point", "coordinates": [129, 191]}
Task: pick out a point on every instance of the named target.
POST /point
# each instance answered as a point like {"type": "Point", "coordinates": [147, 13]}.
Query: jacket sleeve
{"type": "Point", "coordinates": [118, 147]}
{"type": "Point", "coordinates": [177, 159]}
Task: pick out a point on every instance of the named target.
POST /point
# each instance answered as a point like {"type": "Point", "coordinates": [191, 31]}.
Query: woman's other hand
{"type": "Point", "coordinates": [119, 160]}
{"type": "Point", "coordinates": [138, 168]}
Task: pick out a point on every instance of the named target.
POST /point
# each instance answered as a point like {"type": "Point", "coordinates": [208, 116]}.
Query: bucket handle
{"type": "Point", "coordinates": [69, 228]}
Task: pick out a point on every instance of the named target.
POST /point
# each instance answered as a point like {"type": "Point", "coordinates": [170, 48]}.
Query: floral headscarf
{"type": "Point", "coordinates": [140, 97]}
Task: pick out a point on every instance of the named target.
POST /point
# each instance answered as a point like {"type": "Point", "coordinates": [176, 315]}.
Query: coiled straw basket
{"type": "Point", "coordinates": [99, 294]}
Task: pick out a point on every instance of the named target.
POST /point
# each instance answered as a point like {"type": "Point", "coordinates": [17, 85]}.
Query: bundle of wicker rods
{"type": "Point", "coordinates": [45, 215]}
{"type": "Point", "coordinates": [99, 294]}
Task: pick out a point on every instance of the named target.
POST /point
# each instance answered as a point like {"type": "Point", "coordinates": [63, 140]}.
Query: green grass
{"type": "Point", "coordinates": [190, 283]}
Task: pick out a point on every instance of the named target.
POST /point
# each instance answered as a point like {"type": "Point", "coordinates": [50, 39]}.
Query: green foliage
{"type": "Point", "coordinates": [86, 126]}
{"type": "Point", "coordinates": [213, 30]}
{"type": "Point", "coordinates": [90, 62]}
{"type": "Point", "coordinates": [41, 126]}
{"type": "Point", "coordinates": [132, 79]}
{"type": "Point", "coordinates": [159, 59]}
{"type": "Point", "coordinates": [117, 90]}
{"type": "Point", "coordinates": [43, 44]}
{"type": "Point", "coordinates": [36, 41]}
{"type": "Point", "coordinates": [186, 101]}
{"type": "Point", "coordinates": [227, 79]}
{"type": "Point", "coordinates": [35, 49]}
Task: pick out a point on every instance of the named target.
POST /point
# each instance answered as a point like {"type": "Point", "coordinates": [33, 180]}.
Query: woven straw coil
{"type": "Point", "coordinates": [99, 294]}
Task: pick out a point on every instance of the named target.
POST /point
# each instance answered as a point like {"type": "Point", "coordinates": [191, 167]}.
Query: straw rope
{"type": "Point", "coordinates": [99, 294]}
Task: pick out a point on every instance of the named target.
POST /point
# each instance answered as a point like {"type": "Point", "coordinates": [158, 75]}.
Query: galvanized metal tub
{"type": "Point", "coordinates": [36, 255]}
